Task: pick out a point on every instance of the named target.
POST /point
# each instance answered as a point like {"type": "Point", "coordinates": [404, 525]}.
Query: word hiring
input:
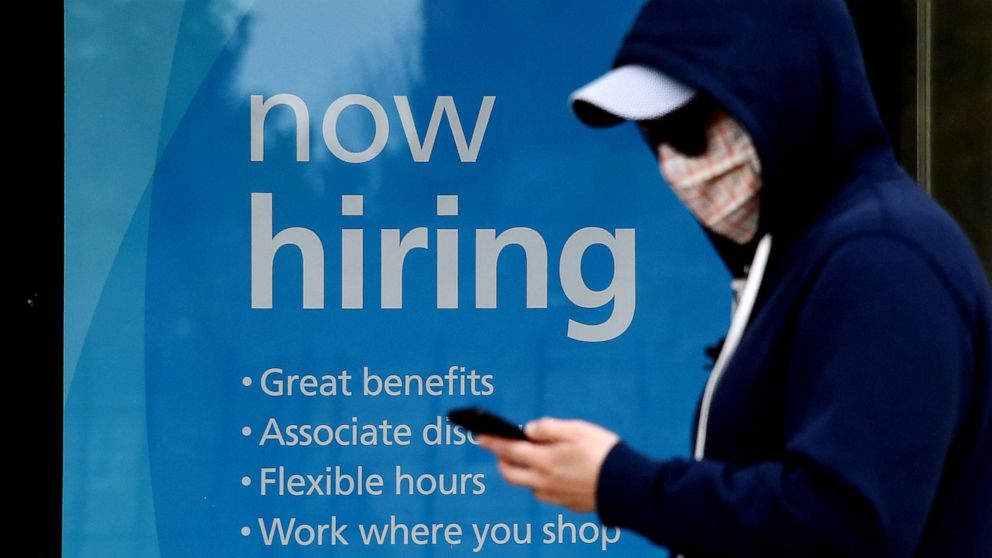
{"type": "Point", "coordinates": [395, 248]}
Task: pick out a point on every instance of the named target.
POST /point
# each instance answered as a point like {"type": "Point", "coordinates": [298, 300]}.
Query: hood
{"type": "Point", "coordinates": [791, 73]}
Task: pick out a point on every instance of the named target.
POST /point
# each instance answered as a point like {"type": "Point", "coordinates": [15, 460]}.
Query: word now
{"type": "Point", "coordinates": [468, 151]}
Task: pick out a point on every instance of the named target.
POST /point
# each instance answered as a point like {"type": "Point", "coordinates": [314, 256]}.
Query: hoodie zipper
{"type": "Point", "coordinates": [741, 314]}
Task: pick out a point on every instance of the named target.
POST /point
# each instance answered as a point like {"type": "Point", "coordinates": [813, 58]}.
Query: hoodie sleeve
{"type": "Point", "coordinates": [876, 381]}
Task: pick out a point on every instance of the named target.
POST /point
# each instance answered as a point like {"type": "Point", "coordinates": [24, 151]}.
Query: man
{"type": "Point", "coordinates": [850, 410]}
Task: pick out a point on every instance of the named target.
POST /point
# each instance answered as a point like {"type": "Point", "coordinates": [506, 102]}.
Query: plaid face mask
{"type": "Point", "coordinates": [720, 186]}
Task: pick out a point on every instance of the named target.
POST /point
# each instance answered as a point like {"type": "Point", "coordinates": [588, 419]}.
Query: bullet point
{"type": "Point", "coordinates": [245, 531]}
{"type": "Point", "coordinates": [246, 381]}
{"type": "Point", "coordinates": [246, 431]}
{"type": "Point", "coordinates": [245, 480]}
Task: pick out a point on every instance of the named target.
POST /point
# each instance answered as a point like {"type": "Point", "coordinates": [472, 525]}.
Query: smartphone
{"type": "Point", "coordinates": [481, 421]}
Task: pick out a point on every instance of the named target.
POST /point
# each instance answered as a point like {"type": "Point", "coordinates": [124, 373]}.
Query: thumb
{"type": "Point", "coordinates": [547, 429]}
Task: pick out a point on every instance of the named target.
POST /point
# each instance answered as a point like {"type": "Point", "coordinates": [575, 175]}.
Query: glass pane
{"type": "Point", "coordinates": [960, 113]}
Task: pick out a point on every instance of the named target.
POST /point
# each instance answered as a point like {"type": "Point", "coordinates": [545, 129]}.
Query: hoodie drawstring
{"type": "Point", "coordinates": [741, 314]}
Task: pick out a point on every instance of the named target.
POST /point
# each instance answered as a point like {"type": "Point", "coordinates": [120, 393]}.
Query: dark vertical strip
{"type": "Point", "coordinates": [932, 81]}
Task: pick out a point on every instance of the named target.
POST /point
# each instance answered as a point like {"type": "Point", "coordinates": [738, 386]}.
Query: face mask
{"type": "Point", "coordinates": [720, 186]}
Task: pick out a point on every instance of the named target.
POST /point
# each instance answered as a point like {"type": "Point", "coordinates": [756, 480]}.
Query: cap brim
{"type": "Point", "coordinates": [631, 92]}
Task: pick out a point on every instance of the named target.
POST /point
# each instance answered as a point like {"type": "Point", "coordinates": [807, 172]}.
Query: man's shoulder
{"type": "Point", "coordinates": [900, 212]}
{"type": "Point", "coordinates": [896, 207]}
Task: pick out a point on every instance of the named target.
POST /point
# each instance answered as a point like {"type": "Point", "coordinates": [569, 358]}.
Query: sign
{"type": "Point", "coordinates": [297, 234]}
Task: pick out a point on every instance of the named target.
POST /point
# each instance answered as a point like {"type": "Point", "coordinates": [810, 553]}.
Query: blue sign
{"type": "Point", "coordinates": [297, 234]}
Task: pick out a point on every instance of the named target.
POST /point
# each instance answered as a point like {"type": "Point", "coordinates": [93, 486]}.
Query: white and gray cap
{"type": "Point", "coordinates": [630, 92]}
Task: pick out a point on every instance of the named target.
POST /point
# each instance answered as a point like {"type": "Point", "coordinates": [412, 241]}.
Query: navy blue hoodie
{"type": "Point", "coordinates": [855, 417]}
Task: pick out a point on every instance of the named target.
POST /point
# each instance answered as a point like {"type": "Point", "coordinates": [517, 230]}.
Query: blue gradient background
{"type": "Point", "coordinates": [159, 329]}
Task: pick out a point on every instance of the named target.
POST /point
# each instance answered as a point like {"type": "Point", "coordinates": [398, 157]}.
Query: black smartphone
{"type": "Point", "coordinates": [482, 421]}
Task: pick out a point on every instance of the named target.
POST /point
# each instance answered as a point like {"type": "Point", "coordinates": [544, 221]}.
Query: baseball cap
{"type": "Point", "coordinates": [629, 92]}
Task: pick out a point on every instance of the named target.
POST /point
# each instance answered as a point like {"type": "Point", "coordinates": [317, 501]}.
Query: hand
{"type": "Point", "coordinates": [561, 466]}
